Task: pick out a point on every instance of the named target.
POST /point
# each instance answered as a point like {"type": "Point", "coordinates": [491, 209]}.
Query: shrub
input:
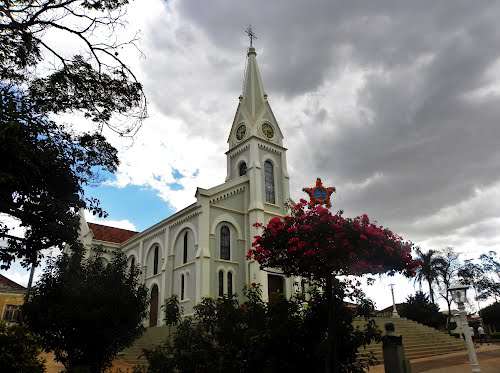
{"type": "Point", "coordinates": [282, 336]}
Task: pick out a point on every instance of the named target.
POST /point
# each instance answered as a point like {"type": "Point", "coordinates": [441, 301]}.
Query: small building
{"type": "Point", "coordinates": [11, 299]}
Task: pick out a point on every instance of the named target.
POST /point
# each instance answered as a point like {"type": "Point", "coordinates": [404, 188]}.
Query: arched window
{"type": "Point", "coordinates": [269, 181]}
{"type": "Point", "coordinates": [243, 168]}
{"type": "Point", "coordinates": [225, 243]}
{"type": "Point", "coordinates": [185, 251]}
{"type": "Point", "coordinates": [221, 283]}
{"type": "Point", "coordinates": [182, 287]}
{"type": "Point", "coordinates": [132, 262]}
{"type": "Point", "coordinates": [230, 283]}
{"type": "Point", "coordinates": [155, 260]}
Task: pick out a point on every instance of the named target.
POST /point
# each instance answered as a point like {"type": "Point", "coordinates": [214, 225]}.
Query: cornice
{"type": "Point", "coordinates": [227, 194]}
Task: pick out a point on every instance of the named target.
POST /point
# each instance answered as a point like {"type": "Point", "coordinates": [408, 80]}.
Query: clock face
{"type": "Point", "coordinates": [241, 131]}
{"type": "Point", "coordinates": [268, 131]}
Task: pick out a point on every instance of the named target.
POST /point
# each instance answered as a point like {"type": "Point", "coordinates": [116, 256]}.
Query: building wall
{"type": "Point", "coordinates": [10, 298]}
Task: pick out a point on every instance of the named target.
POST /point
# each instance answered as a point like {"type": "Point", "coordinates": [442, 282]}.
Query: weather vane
{"type": "Point", "coordinates": [319, 195]}
{"type": "Point", "coordinates": [250, 34]}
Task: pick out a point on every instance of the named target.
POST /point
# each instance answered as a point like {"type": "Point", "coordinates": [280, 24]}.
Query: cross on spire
{"type": "Point", "coordinates": [251, 34]}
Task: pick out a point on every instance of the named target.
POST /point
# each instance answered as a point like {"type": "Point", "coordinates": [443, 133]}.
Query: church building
{"type": "Point", "coordinates": [200, 251]}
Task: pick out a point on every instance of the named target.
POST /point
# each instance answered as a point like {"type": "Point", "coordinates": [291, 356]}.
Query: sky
{"type": "Point", "coordinates": [395, 103]}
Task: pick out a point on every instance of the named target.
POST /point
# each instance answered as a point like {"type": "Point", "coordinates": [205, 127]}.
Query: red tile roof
{"type": "Point", "coordinates": [110, 234]}
{"type": "Point", "coordinates": [8, 285]}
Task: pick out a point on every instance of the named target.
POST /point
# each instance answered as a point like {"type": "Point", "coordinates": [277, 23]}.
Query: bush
{"type": "Point", "coordinates": [282, 336]}
{"type": "Point", "coordinates": [19, 350]}
{"type": "Point", "coordinates": [418, 308]}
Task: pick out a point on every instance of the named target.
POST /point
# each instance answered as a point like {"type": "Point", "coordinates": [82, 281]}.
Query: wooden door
{"type": "Point", "coordinates": [275, 287]}
{"type": "Point", "coordinates": [153, 307]}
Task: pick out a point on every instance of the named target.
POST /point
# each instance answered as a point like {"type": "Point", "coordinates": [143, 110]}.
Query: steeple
{"type": "Point", "coordinates": [253, 97]}
{"type": "Point", "coordinates": [254, 117]}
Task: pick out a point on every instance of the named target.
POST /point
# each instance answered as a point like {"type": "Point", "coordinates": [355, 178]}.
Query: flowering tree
{"type": "Point", "coordinates": [316, 244]}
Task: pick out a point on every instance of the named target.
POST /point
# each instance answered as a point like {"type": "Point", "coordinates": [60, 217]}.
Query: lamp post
{"type": "Point", "coordinates": [458, 294]}
{"type": "Point", "coordinates": [395, 313]}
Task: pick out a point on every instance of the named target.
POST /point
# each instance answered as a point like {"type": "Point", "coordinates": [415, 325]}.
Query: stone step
{"type": "Point", "coordinates": [152, 337]}
{"type": "Point", "coordinates": [418, 340]}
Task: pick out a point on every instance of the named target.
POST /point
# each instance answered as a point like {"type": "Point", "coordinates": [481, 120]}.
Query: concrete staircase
{"type": "Point", "coordinates": [418, 340]}
{"type": "Point", "coordinates": [152, 337]}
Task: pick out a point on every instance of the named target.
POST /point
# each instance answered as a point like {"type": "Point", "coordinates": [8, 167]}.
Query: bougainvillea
{"type": "Point", "coordinates": [314, 243]}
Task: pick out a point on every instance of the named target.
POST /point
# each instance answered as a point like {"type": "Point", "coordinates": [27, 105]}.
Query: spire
{"type": "Point", "coordinates": [253, 117]}
{"type": "Point", "coordinates": [253, 97]}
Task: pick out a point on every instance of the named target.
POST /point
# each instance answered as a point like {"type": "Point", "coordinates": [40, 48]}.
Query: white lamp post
{"type": "Point", "coordinates": [458, 294]}
{"type": "Point", "coordinates": [394, 309]}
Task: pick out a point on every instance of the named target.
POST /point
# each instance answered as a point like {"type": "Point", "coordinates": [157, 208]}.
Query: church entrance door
{"type": "Point", "coordinates": [153, 307]}
{"type": "Point", "coordinates": [275, 287]}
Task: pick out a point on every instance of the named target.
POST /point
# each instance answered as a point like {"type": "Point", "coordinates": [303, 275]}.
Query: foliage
{"type": "Point", "coordinates": [42, 182]}
{"type": "Point", "coordinates": [45, 164]}
{"type": "Point", "coordinates": [286, 335]}
{"type": "Point", "coordinates": [491, 315]}
{"type": "Point", "coordinates": [19, 350]}
{"type": "Point", "coordinates": [418, 308]}
{"type": "Point", "coordinates": [428, 270]}
{"type": "Point", "coordinates": [314, 243]}
{"type": "Point", "coordinates": [86, 313]}
{"type": "Point", "coordinates": [490, 286]}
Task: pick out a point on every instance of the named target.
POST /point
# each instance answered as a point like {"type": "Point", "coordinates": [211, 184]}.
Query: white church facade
{"type": "Point", "coordinates": [200, 251]}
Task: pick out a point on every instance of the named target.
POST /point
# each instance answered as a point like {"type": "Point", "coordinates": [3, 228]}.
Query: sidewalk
{"type": "Point", "coordinates": [489, 360]}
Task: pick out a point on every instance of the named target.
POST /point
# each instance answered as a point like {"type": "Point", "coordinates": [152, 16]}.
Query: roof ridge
{"type": "Point", "coordinates": [110, 226]}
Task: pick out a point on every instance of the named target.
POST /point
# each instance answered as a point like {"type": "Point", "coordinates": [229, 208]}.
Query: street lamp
{"type": "Point", "coordinates": [459, 295]}
{"type": "Point", "coordinates": [395, 313]}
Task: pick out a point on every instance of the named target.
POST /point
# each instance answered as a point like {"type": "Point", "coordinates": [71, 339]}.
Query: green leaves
{"type": "Point", "coordinates": [87, 312]}
{"type": "Point", "coordinates": [78, 86]}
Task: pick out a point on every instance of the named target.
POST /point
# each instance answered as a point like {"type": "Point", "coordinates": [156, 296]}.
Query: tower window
{"type": "Point", "coordinates": [230, 283]}
{"type": "Point", "coordinates": [155, 261]}
{"type": "Point", "coordinates": [243, 168]}
{"type": "Point", "coordinates": [221, 283]}
{"type": "Point", "coordinates": [185, 251]}
{"type": "Point", "coordinates": [225, 243]}
{"type": "Point", "coordinates": [269, 181]}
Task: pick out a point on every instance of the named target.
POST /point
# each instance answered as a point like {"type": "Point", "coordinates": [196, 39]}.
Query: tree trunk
{"type": "Point", "coordinates": [431, 291]}
{"type": "Point", "coordinates": [331, 361]}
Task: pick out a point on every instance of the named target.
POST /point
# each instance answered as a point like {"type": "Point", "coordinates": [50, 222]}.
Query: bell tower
{"type": "Point", "coordinates": [256, 144]}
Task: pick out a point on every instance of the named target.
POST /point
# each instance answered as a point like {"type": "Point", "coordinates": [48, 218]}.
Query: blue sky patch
{"type": "Point", "coordinates": [175, 186]}
{"type": "Point", "coordinates": [176, 174]}
{"type": "Point", "coordinates": [140, 205]}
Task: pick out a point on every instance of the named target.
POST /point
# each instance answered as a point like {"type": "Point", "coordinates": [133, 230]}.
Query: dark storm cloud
{"type": "Point", "coordinates": [422, 138]}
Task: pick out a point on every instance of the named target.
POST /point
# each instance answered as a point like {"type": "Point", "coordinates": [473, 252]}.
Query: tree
{"type": "Point", "coordinates": [45, 164]}
{"type": "Point", "coordinates": [285, 335]}
{"type": "Point", "coordinates": [86, 313]}
{"type": "Point", "coordinates": [19, 350]}
{"type": "Point", "coordinates": [448, 266]}
{"type": "Point", "coordinates": [428, 270]}
{"type": "Point", "coordinates": [491, 268]}
{"type": "Point", "coordinates": [315, 244]}
{"type": "Point", "coordinates": [491, 315]}
{"type": "Point", "coordinates": [418, 308]}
